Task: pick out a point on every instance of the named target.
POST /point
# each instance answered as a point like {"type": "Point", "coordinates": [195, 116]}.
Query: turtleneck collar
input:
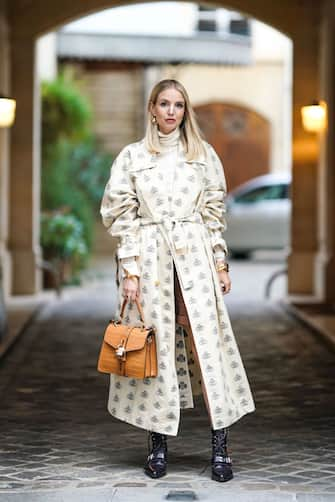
{"type": "Point", "coordinates": [169, 140]}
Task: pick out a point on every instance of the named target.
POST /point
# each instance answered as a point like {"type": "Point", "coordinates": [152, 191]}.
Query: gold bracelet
{"type": "Point", "coordinates": [131, 276]}
{"type": "Point", "coordinates": [223, 267]}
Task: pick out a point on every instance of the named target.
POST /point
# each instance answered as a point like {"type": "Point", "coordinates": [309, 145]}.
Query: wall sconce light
{"type": "Point", "coordinates": [314, 116]}
{"type": "Point", "coordinates": [7, 111]}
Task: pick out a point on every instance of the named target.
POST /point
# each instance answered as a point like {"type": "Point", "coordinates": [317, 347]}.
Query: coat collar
{"type": "Point", "coordinates": [146, 157]}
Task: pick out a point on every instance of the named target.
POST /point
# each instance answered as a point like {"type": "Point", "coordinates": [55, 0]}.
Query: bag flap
{"type": "Point", "coordinates": [137, 339]}
{"type": "Point", "coordinates": [117, 334]}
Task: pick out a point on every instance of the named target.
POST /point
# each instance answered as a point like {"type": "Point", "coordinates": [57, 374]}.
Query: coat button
{"type": "Point", "coordinates": [157, 283]}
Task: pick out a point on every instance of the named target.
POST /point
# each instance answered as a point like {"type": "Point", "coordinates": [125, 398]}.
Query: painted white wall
{"type": "Point", "coordinates": [156, 18]}
{"type": "Point", "coordinates": [47, 57]}
{"type": "Point", "coordinates": [272, 55]}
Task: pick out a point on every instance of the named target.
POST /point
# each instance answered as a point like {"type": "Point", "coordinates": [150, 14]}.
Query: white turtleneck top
{"type": "Point", "coordinates": [167, 159]}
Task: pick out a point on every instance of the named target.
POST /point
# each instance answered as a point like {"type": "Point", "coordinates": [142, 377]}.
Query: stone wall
{"type": "Point", "coordinates": [116, 93]}
{"type": "Point", "coordinates": [4, 152]}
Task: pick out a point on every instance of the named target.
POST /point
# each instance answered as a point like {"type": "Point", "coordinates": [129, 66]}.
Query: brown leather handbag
{"type": "Point", "coordinates": [128, 350]}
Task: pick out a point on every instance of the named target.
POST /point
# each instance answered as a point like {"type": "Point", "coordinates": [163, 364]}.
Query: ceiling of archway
{"type": "Point", "coordinates": [36, 17]}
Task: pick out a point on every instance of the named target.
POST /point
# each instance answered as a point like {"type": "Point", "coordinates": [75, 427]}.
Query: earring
{"type": "Point", "coordinates": [153, 119]}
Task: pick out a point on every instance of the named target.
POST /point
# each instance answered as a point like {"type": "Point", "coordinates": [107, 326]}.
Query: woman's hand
{"type": "Point", "coordinates": [131, 288]}
{"type": "Point", "coordinates": [225, 281]}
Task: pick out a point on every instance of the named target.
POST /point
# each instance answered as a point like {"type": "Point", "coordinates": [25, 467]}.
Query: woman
{"type": "Point", "coordinates": [165, 202]}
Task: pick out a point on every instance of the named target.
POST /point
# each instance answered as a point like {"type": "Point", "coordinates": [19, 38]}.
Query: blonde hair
{"type": "Point", "coordinates": [189, 130]}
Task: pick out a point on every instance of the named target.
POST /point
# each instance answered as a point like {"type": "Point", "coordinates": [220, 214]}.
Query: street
{"type": "Point", "coordinates": [58, 441]}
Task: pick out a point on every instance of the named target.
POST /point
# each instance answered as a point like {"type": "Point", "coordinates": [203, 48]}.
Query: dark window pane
{"type": "Point", "coordinates": [271, 192]}
{"type": "Point", "coordinates": [240, 27]}
{"type": "Point", "coordinates": [206, 25]}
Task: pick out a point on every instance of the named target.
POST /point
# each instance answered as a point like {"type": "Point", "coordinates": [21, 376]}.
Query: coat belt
{"type": "Point", "coordinates": [174, 227]}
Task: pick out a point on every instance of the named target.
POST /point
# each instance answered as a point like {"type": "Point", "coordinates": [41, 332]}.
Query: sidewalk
{"type": "Point", "coordinates": [20, 312]}
{"type": "Point", "coordinates": [319, 317]}
{"type": "Point", "coordinates": [59, 443]}
{"type": "Point", "coordinates": [220, 494]}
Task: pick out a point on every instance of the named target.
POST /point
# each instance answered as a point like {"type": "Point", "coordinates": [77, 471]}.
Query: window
{"type": "Point", "coordinates": [207, 18]}
{"type": "Point", "coordinates": [240, 27]}
{"type": "Point", "coordinates": [269, 192]}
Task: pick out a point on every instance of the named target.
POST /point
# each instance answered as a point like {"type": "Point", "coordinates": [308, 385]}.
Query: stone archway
{"type": "Point", "coordinates": [299, 20]}
{"type": "Point", "coordinates": [240, 136]}
{"type": "Point", "coordinates": [45, 17]}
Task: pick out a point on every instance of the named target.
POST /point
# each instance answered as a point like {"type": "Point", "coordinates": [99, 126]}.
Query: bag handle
{"type": "Point", "coordinates": [139, 308]}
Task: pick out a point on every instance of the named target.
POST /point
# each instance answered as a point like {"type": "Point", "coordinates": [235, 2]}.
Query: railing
{"type": "Point", "coordinates": [271, 279]}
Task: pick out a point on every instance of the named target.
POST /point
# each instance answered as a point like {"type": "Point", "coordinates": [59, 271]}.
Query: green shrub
{"type": "Point", "coordinates": [91, 167]}
{"type": "Point", "coordinates": [74, 168]}
{"type": "Point", "coordinates": [60, 188]}
{"type": "Point", "coordinates": [63, 240]}
{"type": "Point", "coordinates": [66, 113]}
{"type": "Point", "coordinates": [62, 236]}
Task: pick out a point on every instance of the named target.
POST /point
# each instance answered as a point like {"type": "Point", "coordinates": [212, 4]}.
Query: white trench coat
{"type": "Point", "coordinates": [182, 229]}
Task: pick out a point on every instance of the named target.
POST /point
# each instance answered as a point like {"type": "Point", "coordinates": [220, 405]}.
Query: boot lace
{"type": "Point", "coordinates": [219, 442]}
{"type": "Point", "coordinates": [158, 443]}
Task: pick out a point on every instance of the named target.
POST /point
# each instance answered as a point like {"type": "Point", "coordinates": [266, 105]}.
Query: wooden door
{"type": "Point", "coordinates": [240, 136]}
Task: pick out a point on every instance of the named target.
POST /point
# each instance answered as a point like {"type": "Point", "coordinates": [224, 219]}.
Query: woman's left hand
{"type": "Point", "coordinates": [225, 281]}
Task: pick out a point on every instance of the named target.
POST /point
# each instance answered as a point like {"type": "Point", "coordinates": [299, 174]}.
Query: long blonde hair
{"type": "Point", "coordinates": [189, 130]}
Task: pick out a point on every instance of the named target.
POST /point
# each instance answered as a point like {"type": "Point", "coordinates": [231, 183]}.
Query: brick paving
{"type": "Point", "coordinates": [57, 434]}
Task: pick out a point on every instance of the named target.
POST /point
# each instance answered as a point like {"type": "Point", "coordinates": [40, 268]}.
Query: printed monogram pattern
{"type": "Point", "coordinates": [136, 191]}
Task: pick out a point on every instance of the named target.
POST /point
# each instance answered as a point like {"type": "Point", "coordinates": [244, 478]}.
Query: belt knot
{"type": "Point", "coordinates": [174, 225]}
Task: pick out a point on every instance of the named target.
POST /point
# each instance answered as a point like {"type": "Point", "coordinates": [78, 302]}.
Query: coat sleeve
{"type": "Point", "coordinates": [129, 266]}
{"type": "Point", "coordinates": [213, 207]}
{"type": "Point", "coordinates": [119, 207]}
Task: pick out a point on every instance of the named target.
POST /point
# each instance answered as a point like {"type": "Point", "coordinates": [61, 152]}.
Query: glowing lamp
{"type": "Point", "coordinates": [314, 116]}
{"type": "Point", "coordinates": [7, 111]}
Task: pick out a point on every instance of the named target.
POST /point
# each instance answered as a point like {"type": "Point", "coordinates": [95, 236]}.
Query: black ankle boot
{"type": "Point", "coordinates": [221, 462]}
{"type": "Point", "coordinates": [156, 463]}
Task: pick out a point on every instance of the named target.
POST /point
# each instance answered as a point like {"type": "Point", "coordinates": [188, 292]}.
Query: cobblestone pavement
{"type": "Point", "coordinates": [57, 434]}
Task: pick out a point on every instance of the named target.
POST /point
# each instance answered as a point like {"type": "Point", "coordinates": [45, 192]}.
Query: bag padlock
{"type": "Point", "coordinates": [120, 351]}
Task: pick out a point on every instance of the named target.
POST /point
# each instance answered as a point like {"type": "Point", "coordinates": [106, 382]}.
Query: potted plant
{"type": "Point", "coordinates": [63, 245]}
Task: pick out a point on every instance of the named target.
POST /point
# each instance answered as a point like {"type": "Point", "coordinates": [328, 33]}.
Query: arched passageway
{"type": "Point", "coordinates": [30, 418]}
{"type": "Point", "coordinates": [294, 18]}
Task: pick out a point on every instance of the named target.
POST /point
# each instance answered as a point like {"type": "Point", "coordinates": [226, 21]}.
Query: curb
{"type": "Point", "coordinates": [325, 334]}
{"type": "Point", "coordinates": [11, 338]}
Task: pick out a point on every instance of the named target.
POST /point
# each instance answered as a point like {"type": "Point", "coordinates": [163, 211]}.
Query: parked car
{"type": "Point", "coordinates": [258, 215]}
